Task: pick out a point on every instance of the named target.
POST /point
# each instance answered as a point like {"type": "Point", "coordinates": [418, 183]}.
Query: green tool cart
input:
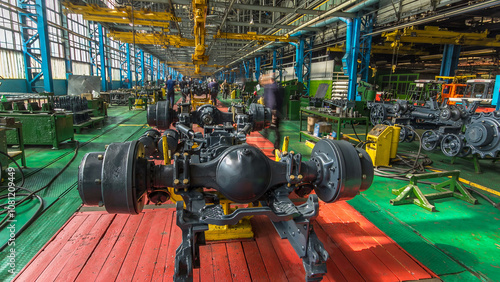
{"type": "Point", "coordinates": [329, 118]}
{"type": "Point", "coordinates": [42, 129]}
{"type": "Point", "coordinates": [98, 107]}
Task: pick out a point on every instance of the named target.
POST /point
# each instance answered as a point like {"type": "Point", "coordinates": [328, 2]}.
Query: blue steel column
{"type": "Point", "coordinates": [274, 62]}
{"type": "Point", "coordinates": [67, 52]}
{"type": "Point", "coordinates": [280, 68]}
{"type": "Point", "coordinates": [308, 63]}
{"type": "Point", "coordinates": [102, 58]}
{"type": "Point", "coordinates": [246, 65]}
{"type": "Point", "coordinates": [35, 11]}
{"type": "Point", "coordinates": [451, 54]}
{"type": "Point", "coordinates": [158, 70]}
{"type": "Point", "coordinates": [152, 67]}
{"type": "Point", "coordinates": [366, 46]}
{"type": "Point", "coordinates": [139, 68]}
{"type": "Point", "coordinates": [109, 69]}
{"type": "Point", "coordinates": [129, 68]}
{"type": "Point", "coordinates": [350, 59]}
{"type": "Point", "coordinates": [299, 59]}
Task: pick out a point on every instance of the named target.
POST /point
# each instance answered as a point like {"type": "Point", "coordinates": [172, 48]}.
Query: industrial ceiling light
{"type": "Point", "coordinates": [251, 20]}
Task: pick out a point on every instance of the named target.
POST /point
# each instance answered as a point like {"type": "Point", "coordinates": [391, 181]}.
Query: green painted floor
{"type": "Point", "coordinates": [459, 242]}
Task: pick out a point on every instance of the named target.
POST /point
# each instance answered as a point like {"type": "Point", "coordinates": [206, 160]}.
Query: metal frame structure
{"type": "Point", "coordinates": [35, 44]}
{"type": "Point", "coordinates": [366, 45]}
{"type": "Point", "coordinates": [125, 66]}
{"type": "Point", "coordinates": [140, 71]}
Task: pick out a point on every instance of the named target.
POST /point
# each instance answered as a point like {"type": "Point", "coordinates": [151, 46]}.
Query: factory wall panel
{"type": "Point", "coordinates": [115, 84]}
{"type": "Point", "coordinates": [13, 85]}
{"type": "Point", "coordinates": [12, 64]}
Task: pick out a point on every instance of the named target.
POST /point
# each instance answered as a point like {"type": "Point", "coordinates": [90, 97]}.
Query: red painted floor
{"type": "Point", "coordinates": [96, 246]}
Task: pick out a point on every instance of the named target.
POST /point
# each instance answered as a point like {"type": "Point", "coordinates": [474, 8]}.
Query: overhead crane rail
{"type": "Point", "coordinates": [437, 35]}
{"type": "Point", "coordinates": [122, 15]}
{"type": "Point", "coordinates": [387, 48]}
{"type": "Point", "coordinates": [151, 38]}
{"type": "Point", "coordinates": [251, 36]}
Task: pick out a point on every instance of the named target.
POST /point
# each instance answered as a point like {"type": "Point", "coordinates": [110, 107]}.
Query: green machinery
{"type": "Point", "coordinates": [366, 91]}
{"type": "Point", "coordinates": [41, 124]}
{"type": "Point", "coordinates": [291, 99]}
{"type": "Point", "coordinates": [17, 153]}
{"type": "Point", "coordinates": [397, 84]}
{"type": "Point", "coordinates": [42, 129]}
{"type": "Point", "coordinates": [98, 107]}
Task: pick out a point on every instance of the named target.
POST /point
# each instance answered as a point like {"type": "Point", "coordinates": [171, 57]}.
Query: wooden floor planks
{"type": "Point", "coordinates": [95, 246]}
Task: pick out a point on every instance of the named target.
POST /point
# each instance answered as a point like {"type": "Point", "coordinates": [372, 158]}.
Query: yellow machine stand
{"type": "Point", "coordinates": [197, 102]}
{"type": "Point", "coordinates": [241, 230]}
{"type": "Point", "coordinates": [382, 144]}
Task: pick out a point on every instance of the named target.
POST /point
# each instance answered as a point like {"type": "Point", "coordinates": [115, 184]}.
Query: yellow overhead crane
{"type": "Point", "coordinates": [436, 35]}
{"type": "Point", "coordinates": [122, 15]}
{"type": "Point", "coordinates": [200, 18]}
{"type": "Point", "coordinates": [387, 48]}
{"type": "Point", "coordinates": [254, 36]}
{"type": "Point", "coordinates": [151, 38]}
{"type": "Point", "coordinates": [190, 65]}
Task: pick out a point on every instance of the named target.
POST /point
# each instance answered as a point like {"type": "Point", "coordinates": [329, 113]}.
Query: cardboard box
{"type": "Point", "coordinates": [312, 121]}
{"type": "Point", "coordinates": [310, 128]}
{"type": "Point", "coordinates": [322, 127]}
{"type": "Point", "coordinates": [88, 96]}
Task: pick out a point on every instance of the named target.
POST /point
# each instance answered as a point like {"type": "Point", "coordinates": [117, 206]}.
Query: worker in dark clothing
{"type": "Point", "coordinates": [273, 99]}
{"type": "Point", "coordinates": [184, 85]}
{"type": "Point", "coordinates": [170, 90]}
{"type": "Point", "coordinates": [225, 89]}
{"type": "Point", "coordinates": [214, 90]}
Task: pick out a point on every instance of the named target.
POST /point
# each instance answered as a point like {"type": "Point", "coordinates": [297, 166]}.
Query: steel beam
{"type": "Point", "coordinates": [102, 58]}
{"type": "Point", "coordinates": [449, 64]}
{"type": "Point", "coordinates": [35, 44]}
{"type": "Point", "coordinates": [257, 67]}
{"type": "Point", "coordinates": [246, 65]}
{"type": "Point", "coordinates": [350, 59]}
{"type": "Point", "coordinates": [139, 68]}
{"type": "Point", "coordinates": [266, 8]}
{"type": "Point", "coordinates": [264, 25]}
{"type": "Point", "coordinates": [366, 46]}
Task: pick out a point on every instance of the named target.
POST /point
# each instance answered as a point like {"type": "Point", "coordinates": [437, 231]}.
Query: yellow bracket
{"type": "Point", "coordinates": [166, 155]}
{"type": "Point", "coordinates": [284, 149]}
{"type": "Point", "coordinates": [241, 230]}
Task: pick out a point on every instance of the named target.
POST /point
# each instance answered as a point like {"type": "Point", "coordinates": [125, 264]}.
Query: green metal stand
{"type": "Point", "coordinates": [412, 194]}
{"type": "Point", "coordinates": [475, 161]}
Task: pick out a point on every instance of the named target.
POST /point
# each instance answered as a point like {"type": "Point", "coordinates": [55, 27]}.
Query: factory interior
{"type": "Point", "coordinates": [250, 140]}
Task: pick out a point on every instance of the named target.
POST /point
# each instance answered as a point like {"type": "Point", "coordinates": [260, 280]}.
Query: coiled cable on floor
{"type": "Point", "coordinates": [28, 196]}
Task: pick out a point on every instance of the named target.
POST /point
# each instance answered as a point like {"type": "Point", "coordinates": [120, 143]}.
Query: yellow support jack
{"type": "Point", "coordinates": [241, 230]}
